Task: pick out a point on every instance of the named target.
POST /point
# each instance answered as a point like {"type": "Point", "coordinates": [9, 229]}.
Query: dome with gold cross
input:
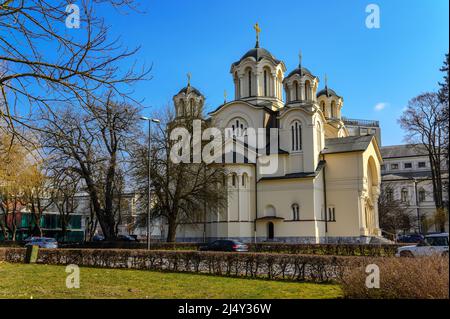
{"type": "Point", "coordinates": [258, 74]}
{"type": "Point", "coordinates": [189, 101]}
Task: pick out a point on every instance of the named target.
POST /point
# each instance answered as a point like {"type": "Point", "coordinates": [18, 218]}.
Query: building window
{"type": "Point", "coordinates": [383, 167]}
{"type": "Point", "coordinates": [265, 83]}
{"type": "Point", "coordinates": [296, 135]}
{"type": "Point", "coordinates": [307, 91]}
{"type": "Point", "coordinates": [296, 90]}
{"type": "Point", "coordinates": [233, 180]}
{"type": "Point", "coordinates": [404, 195]}
{"type": "Point", "coordinates": [331, 214]}
{"type": "Point", "coordinates": [422, 195]}
{"type": "Point", "coordinates": [422, 164]}
{"type": "Point", "coordinates": [389, 195]}
{"type": "Point", "coordinates": [295, 212]}
{"type": "Point", "coordinates": [244, 179]}
{"type": "Point", "coordinates": [239, 127]}
{"type": "Point", "coordinates": [333, 109]}
{"type": "Point", "coordinates": [394, 166]}
{"type": "Point", "coordinates": [322, 107]}
{"type": "Point", "coordinates": [249, 83]}
{"type": "Point", "coordinates": [408, 165]}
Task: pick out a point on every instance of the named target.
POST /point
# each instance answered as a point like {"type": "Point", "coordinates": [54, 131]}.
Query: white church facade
{"type": "Point", "coordinates": [326, 183]}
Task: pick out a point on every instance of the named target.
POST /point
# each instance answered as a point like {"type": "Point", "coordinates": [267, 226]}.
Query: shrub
{"type": "Point", "coordinates": [368, 250]}
{"type": "Point", "coordinates": [425, 277]}
{"type": "Point", "coordinates": [254, 265]}
{"type": "Point", "coordinates": [284, 248]}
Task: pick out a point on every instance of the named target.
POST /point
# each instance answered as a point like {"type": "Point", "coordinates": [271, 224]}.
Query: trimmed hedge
{"type": "Point", "coordinates": [252, 265]}
{"type": "Point", "coordinates": [385, 250]}
{"type": "Point", "coordinates": [285, 248]}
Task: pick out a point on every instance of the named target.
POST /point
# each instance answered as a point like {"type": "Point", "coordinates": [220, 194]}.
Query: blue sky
{"type": "Point", "coordinates": [367, 67]}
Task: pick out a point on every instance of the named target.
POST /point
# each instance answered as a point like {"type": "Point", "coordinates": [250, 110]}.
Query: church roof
{"type": "Point", "coordinates": [328, 92]}
{"type": "Point", "coordinates": [300, 71]}
{"type": "Point", "coordinates": [297, 175]}
{"type": "Point", "coordinates": [189, 89]}
{"type": "Point", "coordinates": [258, 54]}
{"type": "Point", "coordinates": [407, 150]}
{"type": "Point", "coordinates": [347, 144]}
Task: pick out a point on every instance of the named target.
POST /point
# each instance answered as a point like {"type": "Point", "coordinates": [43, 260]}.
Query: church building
{"type": "Point", "coordinates": [326, 183]}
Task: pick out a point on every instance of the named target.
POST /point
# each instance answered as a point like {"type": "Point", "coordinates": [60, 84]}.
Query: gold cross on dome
{"type": "Point", "coordinates": [258, 31]}
{"type": "Point", "coordinates": [326, 79]}
{"type": "Point", "coordinates": [300, 57]}
{"type": "Point", "coordinates": [225, 96]}
{"type": "Point", "coordinates": [189, 78]}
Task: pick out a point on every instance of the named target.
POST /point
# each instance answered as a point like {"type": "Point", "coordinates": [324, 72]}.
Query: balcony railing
{"type": "Point", "coordinates": [356, 122]}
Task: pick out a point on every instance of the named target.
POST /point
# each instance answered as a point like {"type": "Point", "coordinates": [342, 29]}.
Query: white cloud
{"type": "Point", "coordinates": [380, 106]}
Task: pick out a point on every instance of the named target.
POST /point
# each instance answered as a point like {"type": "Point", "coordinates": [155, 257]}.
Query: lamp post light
{"type": "Point", "coordinates": [149, 120]}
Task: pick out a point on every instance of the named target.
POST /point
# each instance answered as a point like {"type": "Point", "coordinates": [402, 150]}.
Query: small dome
{"type": "Point", "coordinates": [258, 54]}
{"type": "Point", "coordinates": [190, 89]}
{"type": "Point", "coordinates": [300, 71]}
{"type": "Point", "coordinates": [328, 92]}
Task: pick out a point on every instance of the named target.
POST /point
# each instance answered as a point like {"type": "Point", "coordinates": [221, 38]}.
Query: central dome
{"type": "Point", "coordinates": [258, 54]}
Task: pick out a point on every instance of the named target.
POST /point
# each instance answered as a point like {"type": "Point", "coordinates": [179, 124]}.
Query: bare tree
{"type": "Point", "coordinates": [43, 62]}
{"type": "Point", "coordinates": [182, 192]}
{"type": "Point", "coordinates": [95, 145]}
{"type": "Point", "coordinates": [66, 186]}
{"type": "Point", "coordinates": [394, 215]}
{"type": "Point", "coordinates": [423, 122]}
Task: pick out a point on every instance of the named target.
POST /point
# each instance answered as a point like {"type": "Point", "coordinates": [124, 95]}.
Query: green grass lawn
{"type": "Point", "coordinates": [44, 281]}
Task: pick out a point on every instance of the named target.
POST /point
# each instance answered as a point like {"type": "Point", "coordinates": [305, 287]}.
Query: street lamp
{"type": "Point", "coordinates": [149, 120]}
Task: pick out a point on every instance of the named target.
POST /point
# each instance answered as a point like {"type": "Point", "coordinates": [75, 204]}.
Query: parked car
{"type": "Point", "coordinates": [98, 238]}
{"type": "Point", "coordinates": [435, 244]}
{"type": "Point", "coordinates": [43, 242]}
{"type": "Point", "coordinates": [225, 245]}
{"type": "Point", "coordinates": [410, 238]}
{"type": "Point", "coordinates": [127, 238]}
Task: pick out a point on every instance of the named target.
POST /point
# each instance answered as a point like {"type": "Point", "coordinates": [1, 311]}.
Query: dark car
{"type": "Point", "coordinates": [127, 238]}
{"type": "Point", "coordinates": [98, 238]}
{"type": "Point", "coordinates": [411, 238]}
{"type": "Point", "coordinates": [225, 245]}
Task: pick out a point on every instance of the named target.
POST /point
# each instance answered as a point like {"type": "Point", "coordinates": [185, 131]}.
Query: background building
{"type": "Point", "coordinates": [406, 171]}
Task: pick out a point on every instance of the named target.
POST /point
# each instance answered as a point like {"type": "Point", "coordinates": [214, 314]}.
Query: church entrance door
{"type": "Point", "coordinates": [270, 231]}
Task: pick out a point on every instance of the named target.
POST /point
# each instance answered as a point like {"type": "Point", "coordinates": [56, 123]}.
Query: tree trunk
{"type": "Point", "coordinates": [172, 231]}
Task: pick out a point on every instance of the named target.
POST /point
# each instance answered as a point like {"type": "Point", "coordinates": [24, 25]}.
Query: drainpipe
{"type": "Point", "coordinates": [325, 197]}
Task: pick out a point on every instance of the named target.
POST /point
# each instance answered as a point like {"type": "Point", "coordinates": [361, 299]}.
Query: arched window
{"type": "Point", "coordinates": [191, 106]}
{"type": "Point", "coordinates": [389, 195]}
{"type": "Point", "coordinates": [333, 109]}
{"type": "Point", "coordinates": [404, 195]}
{"type": "Point", "coordinates": [422, 195]}
{"type": "Point", "coordinates": [296, 136]}
{"type": "Point", "coordinates": [244, 179]}
{"type": "Point", "coordinates": [307, 91]}
{"type": "Point", "coordinates": [249, 82]}
{"type": "Point", "coordinates": [295, 212]}
{"type": "Point", "coordinates": [239, 126]}
{"type": "Point", "coordinates": [265, 84]}
{"type": "Point", "coordinates": [322, 107]}
{"type": "Point", "coordinates": [237, 86]}
{"type": "Point", "coordinates": [234, 180]}
{"type": "Point", "coordinates": [296, 90]}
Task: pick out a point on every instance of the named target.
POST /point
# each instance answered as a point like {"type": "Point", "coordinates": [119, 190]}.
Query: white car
{"type": "Point", "coordinates": [436, 244]}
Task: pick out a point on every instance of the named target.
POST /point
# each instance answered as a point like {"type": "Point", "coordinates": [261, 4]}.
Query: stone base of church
{"type": "Point", "coordinates": [290, 240]}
